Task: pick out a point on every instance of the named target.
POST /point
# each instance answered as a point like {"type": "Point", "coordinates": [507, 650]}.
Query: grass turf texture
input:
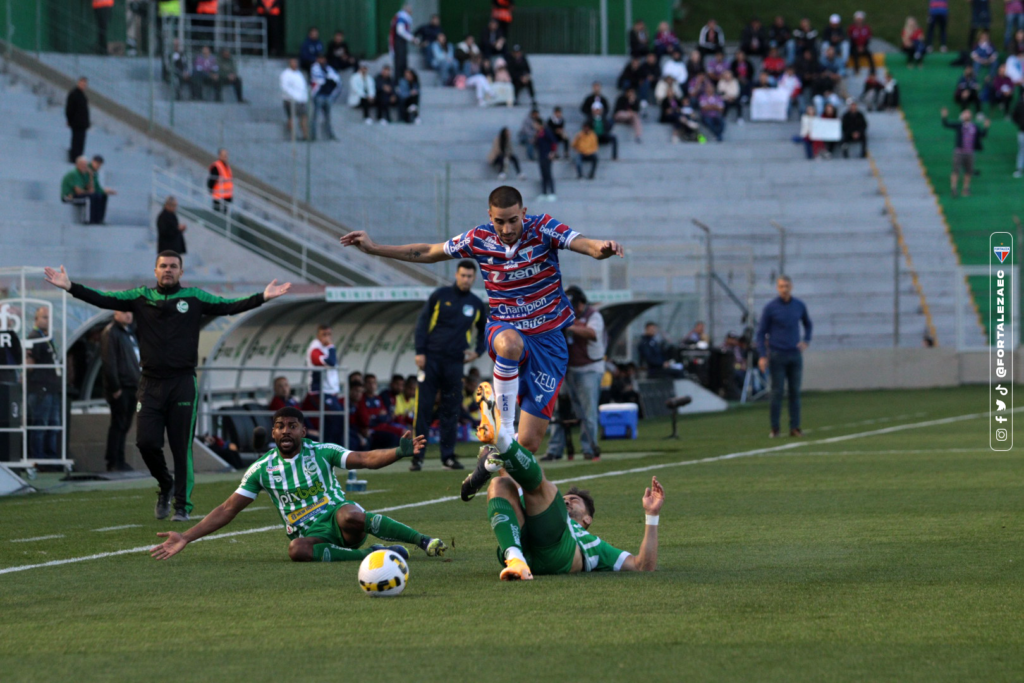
{"type": "Point", "coordinates": [889, 557]}
{"type": "Point", "coordinates": [996, 194]}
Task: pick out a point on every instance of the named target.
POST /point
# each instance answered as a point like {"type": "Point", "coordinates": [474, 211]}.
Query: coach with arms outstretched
{"type": "Point", "coordinates": [783, 350]}
{"type": "Point", "coordinates": [168, 319]}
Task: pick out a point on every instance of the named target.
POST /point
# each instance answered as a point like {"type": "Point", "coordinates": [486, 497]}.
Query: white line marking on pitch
{"type": "Point", "coordinates": [616, 473]}
{"type": "Point", "coordinates": [118, 528]}
{"type": "Point", "coordinates": [876, 420]}
{"type": "Point", "coordinates": [36, 538]}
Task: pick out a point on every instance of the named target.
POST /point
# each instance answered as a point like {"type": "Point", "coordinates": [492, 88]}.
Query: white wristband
{"type": "Point", "coordinates": [652, 520]}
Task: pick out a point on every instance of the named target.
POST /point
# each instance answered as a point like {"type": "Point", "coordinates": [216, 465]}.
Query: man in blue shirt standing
{"type": "Point", "coordinates": [783, 349]}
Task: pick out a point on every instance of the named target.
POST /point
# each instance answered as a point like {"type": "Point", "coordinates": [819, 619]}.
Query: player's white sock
{"type": "Point", "coordinates": [515, 554]}
{"type": "Point", "coordinates": [506, 390]}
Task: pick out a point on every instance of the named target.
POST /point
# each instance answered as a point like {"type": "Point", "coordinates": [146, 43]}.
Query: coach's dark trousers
{"type": "Point", "coordinates": [122, 411]}
{"type": "Point", "coordinates": [785, 367]}
{"type": "Point", "coordinates": [444, 374]}
{"type": "Point", "coordinates": [169, 404]}
{"type": "Point", "coordinates": [77, 143]}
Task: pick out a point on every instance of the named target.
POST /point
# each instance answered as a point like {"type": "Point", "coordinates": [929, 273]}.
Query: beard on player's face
{"type": "Point", "coordinates": [508, 223]}
{"type": "Point", "coordinates": [288, 435]}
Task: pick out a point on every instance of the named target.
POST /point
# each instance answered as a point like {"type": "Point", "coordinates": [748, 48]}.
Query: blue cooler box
{"type": "Point", "coordinates": [618, 420]}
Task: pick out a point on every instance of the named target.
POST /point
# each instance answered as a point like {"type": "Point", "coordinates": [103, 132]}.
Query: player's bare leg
{"type": "Point", "coordinates": [507, 518]}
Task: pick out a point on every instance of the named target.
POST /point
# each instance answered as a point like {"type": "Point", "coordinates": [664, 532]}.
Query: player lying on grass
{"type": "Point", "coordinates": [529, 311]}
{"type": "Point", "coordinates": [544, 532]}
{"type": "Point", "coordinates": [298, 475]}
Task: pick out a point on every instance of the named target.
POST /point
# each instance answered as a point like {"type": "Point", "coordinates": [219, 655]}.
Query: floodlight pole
{"type": "Point", "coordinates": [711, 277]}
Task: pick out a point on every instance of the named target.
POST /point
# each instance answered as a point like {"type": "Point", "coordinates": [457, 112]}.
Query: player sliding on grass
{"type": "Point", "coordinates": [298, 475]}
{"type": "Point", "coordinates": [545, 532]}
{"type": "Point", "coordinates": [518, 257]}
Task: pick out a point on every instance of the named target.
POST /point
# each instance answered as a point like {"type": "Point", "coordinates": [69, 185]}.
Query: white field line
{"type": "Point", "coordinates": [877, 420]}
{"type": "Point", "coordinates": [618, 473]}
{"type": "Point", "coordinates": [118, 528]}
{"type": "Point", "coordinates": [36, 538]}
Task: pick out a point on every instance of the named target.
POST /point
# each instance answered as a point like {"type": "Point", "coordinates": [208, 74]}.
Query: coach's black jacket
{"type": "Point", "coordinates": [120, 366]}
{"type": "Point", "coordinates": [446, 323]}
{"type": "Point", "coordinates": [167, 321]}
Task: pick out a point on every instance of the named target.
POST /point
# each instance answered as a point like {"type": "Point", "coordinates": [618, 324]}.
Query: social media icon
{"type": "Point", "coordinates": [1002, 390]}
{"type": "Point", "coordinates": [1000, 435]}
{"type": "Point", "coordinates": [1000, 418]}
{"type": "Point", "coordinates": [1000, 405]}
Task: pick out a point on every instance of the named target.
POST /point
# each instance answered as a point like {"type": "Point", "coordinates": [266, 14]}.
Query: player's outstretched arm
{"type": "Point", "coordinates": [112, 301]}
{"type": "Point", "coordinates": [599, 249]}
{"type": "Point", "coordinates": [647, 559]}
{"type": "Point", "coordinates": [414, 253]}
{"type": "Point", "coordinates": [220, 517]}
{"type": "Point", "coordinates": [374, 460]}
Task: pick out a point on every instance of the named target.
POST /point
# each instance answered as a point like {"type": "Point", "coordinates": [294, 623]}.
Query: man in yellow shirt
{"type": "Point", "coordinates": [585, 143]}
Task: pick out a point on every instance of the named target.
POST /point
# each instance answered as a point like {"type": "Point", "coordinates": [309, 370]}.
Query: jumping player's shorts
{"type": "Point", "coordinates": [326, 527]}
{"type": "Point", "coordinates": [548, 544]}
{"type": "Point", "coordinates": [541, 369]}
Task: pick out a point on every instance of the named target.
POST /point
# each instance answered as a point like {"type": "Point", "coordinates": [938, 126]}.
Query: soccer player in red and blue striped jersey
{"type": "Point", "coordinates": [518, 257]}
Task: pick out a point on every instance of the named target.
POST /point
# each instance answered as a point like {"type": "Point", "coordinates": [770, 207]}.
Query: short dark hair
{"type": "Point", "coordinates": [322, 326]}
{"type": "Point", "coordinates": [412, 379]}
{"type": "Point", "coordinates": [289, 411]}
{"type": "Point", "coordinates": [588, 500]}
{"type": "Point", "coordinates": [467, 264]}
{"type": "Point", "coordinates": [98, 158]}
{"type": "Point", "coordinates": [649, 323]}
{"type": "Point", "coordinates": [576, 295]}
{"type": "Point", "coordinates": [368, 376]}
{"type": "Point", "coordinates": [505, 197]}
{"type": "Point", "coordinates": [355, 384]}
{"type": "Point", "coordinates": [170, 253]}
{"type": "Point", "coordinates": [397, 377]}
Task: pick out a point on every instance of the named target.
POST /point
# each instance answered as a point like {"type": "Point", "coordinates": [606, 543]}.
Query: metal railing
{"type": "Point", "coordinates": [240, 35]}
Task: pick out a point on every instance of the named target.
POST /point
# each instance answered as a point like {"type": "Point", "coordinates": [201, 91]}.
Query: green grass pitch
{"type": "Point", "coordinates": [895, 556]}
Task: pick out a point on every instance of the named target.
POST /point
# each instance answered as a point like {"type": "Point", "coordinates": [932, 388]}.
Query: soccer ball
{"type": "Point", "coordinates": [383, 573]}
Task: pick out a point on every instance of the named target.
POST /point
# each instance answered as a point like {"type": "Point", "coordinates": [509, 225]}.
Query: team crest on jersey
{"type": "Point", "coordinates": [467, 310]}
{"type": "Point", "coordinates": [182, 306]}
{"type": "Point", "coordinates": [309, 464]}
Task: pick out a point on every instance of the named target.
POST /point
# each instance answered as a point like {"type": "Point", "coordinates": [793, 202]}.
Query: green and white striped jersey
{"type": "Point", "coordinates": [598, 556]}
{"type": "Point", "coordinates": [303, 487]}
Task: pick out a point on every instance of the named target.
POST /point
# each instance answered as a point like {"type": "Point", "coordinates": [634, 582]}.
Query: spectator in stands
{"type": "Point", "coordinates": [696, 335]}
{"type": "Point", "coordinates": [220, 183]}
{"type": "Point", "coordinates": [1002, 90]}
{"type": "Point", "coordinates": [399, 37]}
{"type": "Point", "coordinates": [780, 345]}
{"type": "Point", "coordinates": [1016, 46]}
{"type": "Point", "coordinates": [764, 80]}
{"type": "Point", "coordinates": [362, 92]}
{"type": "Point", "coordinates": [632, 75]}
{"type": "Point", "coordinates": [712, 108]}
{"type": "Point", "coordinates": [678, 112]}
{"type": "Point", "coordinates": [601, 122]}
{"type": "Point", "coordinates": [481, 78]}
{"type": "Point", "coordinates": [76, 112]}
{"type": "Point", "coordinates": [754, 39]}
{"type": "Point", "coordinates": [830, 111]}
{"type": "Point", "coordinates": [855, 130]}
{"type": "Point", "coordinates": [811, 147]}
{"type": "Point", "coordinates": [324, 385]}
{"type": "Point", "coordinates": [271, 10]}
{"type": "Point", "coordinates": [968, 92]}
{"type": "Point", "coordinates": [502, 86]}
{"type": "Point", "coordinates": [465, 52]}
{"type": "Point", "coordinates": [804, 37]}
{"type": "Point", "coordinates": [170, 232]}
{"type": "Point", "coordinates": [665, 41]}
{"type": "Point", "coordinates": [860, 42]}
{"type": "Point", "coordinates": [835, 37]}
{"type": "Point", "coordinates": [339, 56]}
{"type": "Point", "coordinates": [790, 83]}
{"type": "Point", "coordinates": [912, 38]}
{"type": "Point", "coordinates": [501, 11]}
{"type": "Point", "coordinates": [981, 19]}
{"type": "Point", "coordinates": [624, 389]}
{"type": "Point", "coordinates": [779, 35]}
{"type": "Point", "coordinates": [667, 87]}
{"type": "Point", "coordinates": [295, 94]}
{"type": "Point", "coordinates": [387, 96]}
{"type": "Point", "coordinates": [426, 35]}
{"type": "Point", "coordinates": [594, 96]}
{"type": "Point", "coordinates": [94, 168]}
{"type": "Point", "coordinates": [1014, 14]}
{"type": "Point", "coordinates": [1018, 119]}
{"type": "Point", "coordinates": [711, 39]}
{"type": "Point", "coordinates": [502, 155]}
{"type": "Point", "coordinates": [409, 97]}
{"type": "Point", "coordinates": [716, 66]}
{"type": "Point", "coordinates": [984, 57]}
{"type": "Point", "coordinates": [650, 351]}
{"type": "Point", "coordinates": [835, 66]}
{"type": "Point", "coordinates": [282, 395]}
{"type": "Point", "coordinates": [359, 437]}
{"type": "Point", "coordinates": [375, 415]}
{"type": "Point", "coordinates": [968, 141]}
{"type": "Point", "coordinates": [119, 349]}
{"type": "Point", "coordinates": [311, 48]}
{"type": "Point", "coordinates": [77, 187]}
{"type": "Point", "coordinates": [44, 388]}
{"type": "Point", "coordinates": [405, 403]}
{"type": "Point", "coordinates": [444, 60]}
{"type": "Point", "coordinates": [728, 89]}
{"type": "Point", "coordinates": [545, 144]}
{"type": "Point", "coordinates": [652, 74]}
{"type": "Point", "coordinates": [639, 40]}
{"type": "Point", "coordinates": [325, 86]}
{"type": "Point", "coordinates": [493, 43]}
{"type": "Point", "coordinates": [938, 15]}
{"type": "Point", "coordinates": [826, 99]}
{"type": "Point", "coordinates": [627, 110]}
{"type": "Point", "coordinates": [743, 71]}
{"type": "Point", "coordinates": [677, 69]}
{"type": "Point", "coordinates": [522, 78]}
{"type": "Point", "coordinates": [528, 133]}
{"type": "Point", "coordinates": [181, 73]}
{"type": "Point", "coordinates": [694, 67]}
{"type": "Point", "coordinates": [101, 10]}
{"type": "Point", "coordinates": [206, 71]}
{"type": "Point", "coordinates": [390, 395]}
{"type": "Point", "coordinates": [556, 124]}
{"type": "Point", "coordinates": [585, 144]}
{"type": "Point", "coordinates": [774, 65]}
{"type": "Point", "coordinates": [227, 72]}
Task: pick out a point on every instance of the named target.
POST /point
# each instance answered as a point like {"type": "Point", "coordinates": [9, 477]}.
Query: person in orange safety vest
{"type": "Point", "coordinates": [220, 183]}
